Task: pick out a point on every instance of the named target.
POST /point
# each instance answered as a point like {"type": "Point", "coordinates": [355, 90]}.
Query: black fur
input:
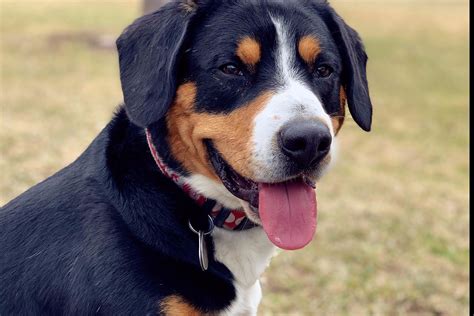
{"type": "Point", "coordinates": [148, 53]}
{"type": "Point", "coordinates": [354, 76]}
{"type": "Point", "coordinates": [108, 234]}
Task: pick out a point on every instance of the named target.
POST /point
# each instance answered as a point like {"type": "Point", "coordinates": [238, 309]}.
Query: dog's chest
{"type": "Point", "coordinates": [246, 254]}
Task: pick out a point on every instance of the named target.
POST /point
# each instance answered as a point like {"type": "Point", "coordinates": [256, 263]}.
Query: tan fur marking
{"type": "Point", "coordinates": [249, 51]}
{"type": "Point", "coordinates": [176, 306]}
{"type": "Point", "coordinates": [230, 133]}
{"type": "Point", "coordinates": [309, 49]}
{"type": "Point", "coordinates": [338, 120]}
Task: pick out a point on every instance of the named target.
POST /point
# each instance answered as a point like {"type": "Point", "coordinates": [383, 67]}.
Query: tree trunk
{"type": "Point", "coordinates": [150, 6]}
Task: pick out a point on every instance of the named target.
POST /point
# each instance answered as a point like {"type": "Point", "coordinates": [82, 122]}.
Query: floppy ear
{"type": "Point", "coordinates": [148, 53]}
{"type": "Point", "coordinates": [354, 76]}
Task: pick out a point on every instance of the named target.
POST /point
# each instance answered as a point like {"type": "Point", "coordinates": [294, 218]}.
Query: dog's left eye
{"type": "Point", "coordinates": [324, 71]}
{"type": "Point", "coordinates": [231, 69]}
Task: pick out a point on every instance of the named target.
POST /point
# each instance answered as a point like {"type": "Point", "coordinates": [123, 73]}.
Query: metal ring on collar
{"type": "Point", "coordinates": [211, 227]}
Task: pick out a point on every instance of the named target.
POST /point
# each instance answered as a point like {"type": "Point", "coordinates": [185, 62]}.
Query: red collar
{"type": "Point", "coordinates": [223, 217]}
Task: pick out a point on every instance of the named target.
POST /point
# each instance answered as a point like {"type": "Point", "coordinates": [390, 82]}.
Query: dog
{"type": "Point", "coordinates": [230, 114]}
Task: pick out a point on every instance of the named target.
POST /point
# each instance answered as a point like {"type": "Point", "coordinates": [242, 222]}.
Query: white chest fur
{"type": "Point", "coordinates": [246, 254]}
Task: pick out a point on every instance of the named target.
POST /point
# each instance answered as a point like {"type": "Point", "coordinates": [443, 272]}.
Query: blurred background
{"type": "Point", "coordinates": [393, 214]}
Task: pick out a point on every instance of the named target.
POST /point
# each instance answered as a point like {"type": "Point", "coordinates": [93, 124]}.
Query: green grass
{"type": "Point", "coordinates": [393, 214]}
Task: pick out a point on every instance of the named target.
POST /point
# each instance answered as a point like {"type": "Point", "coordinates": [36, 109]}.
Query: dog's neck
{"type": "Point", "coordinates": [155, 210]}
{"type": "Point", "coordinates": [152, 205]}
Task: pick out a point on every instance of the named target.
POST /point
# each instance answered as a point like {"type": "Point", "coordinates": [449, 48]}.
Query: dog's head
{"type": "Point", "coordinates": [252, 92]}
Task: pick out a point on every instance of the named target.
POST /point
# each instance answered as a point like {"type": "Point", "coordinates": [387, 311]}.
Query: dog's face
{"type": "Point", "coordinates": [253, 92]}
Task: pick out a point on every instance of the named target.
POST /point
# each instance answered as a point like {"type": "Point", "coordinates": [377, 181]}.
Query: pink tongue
{"type": "Point", "coordinates": [288, 213]}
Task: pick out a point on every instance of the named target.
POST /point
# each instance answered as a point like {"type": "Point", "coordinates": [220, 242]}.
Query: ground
{"type": "Point", "coordinates": [393, 214]}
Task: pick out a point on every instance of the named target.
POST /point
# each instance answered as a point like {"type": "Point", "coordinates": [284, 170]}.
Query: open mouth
{"type": "Point", "coordinates": [286, 209]}
{"type": "Point", "coordinates": [241, 187]}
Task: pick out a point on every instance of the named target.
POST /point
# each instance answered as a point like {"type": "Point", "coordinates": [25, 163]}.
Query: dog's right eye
{"type": "Point", "coordinates": [231, 69]}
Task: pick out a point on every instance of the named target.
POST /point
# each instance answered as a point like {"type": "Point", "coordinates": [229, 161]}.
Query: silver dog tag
{"type": "Point", "coordinates": [203, 258]}
{"type": "Point", "coordinates": [202, 250]}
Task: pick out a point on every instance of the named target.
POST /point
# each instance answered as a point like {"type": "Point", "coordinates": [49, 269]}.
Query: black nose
{"type": "Point", "coordinates": [305, 142]}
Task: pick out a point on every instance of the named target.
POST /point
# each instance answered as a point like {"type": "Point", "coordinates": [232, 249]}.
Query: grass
{"type": "Point", "coordinates": [393, 214]}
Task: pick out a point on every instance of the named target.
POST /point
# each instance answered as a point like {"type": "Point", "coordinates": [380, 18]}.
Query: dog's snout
{"type": "Point", "coordinates": [305, 142]}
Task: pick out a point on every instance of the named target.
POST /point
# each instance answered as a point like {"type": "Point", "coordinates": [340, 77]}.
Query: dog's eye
{"type": "Point", "coordinates": [231, 69]}
{"type": "Point", "coordinates": [324, 71]}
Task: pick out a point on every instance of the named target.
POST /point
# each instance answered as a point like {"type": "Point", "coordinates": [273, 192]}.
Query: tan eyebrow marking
{"type": "Point", "coordinates": [309, 48]}
{"type": "Point", "coordinates": [248, 50]}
